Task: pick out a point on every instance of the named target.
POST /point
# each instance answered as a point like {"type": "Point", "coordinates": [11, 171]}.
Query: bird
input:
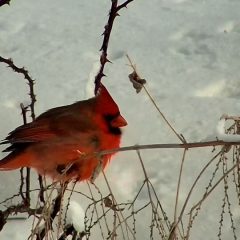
{"type": "Point", "coordinates": [61, 142]}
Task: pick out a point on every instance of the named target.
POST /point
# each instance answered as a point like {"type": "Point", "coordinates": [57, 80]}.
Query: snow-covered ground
{"type": "Point", "coordinates": [188, 51]}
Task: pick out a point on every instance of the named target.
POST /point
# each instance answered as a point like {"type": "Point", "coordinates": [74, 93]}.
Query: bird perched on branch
{"type": "Point", "coordinates": [62, 141]}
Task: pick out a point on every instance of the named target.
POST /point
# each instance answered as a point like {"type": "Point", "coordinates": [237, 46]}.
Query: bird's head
{"type": "Point", "coordinates": [107, 107]}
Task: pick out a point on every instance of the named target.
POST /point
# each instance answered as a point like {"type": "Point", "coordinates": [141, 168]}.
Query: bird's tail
{"type": "Point", "coordinates": [13, 161]}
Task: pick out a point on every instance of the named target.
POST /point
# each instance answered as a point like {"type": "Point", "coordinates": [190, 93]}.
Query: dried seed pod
{"type": "Point", "coordinates": [136, 81]}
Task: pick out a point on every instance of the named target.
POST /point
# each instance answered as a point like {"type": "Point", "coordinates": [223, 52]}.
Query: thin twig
{"type": "Point", "coordinates": [95, 209]}
{"type": "Point", "coordinates": [136, 196]}
{"type": "Point", "coordinates": [115, 210]}
{"type": "Point", "coordinates": [168, 146]}
{"type": "Point", "coordinates": [154, 207]}
{"type": "Point", "coordinates": [214, 186]}
{"type": "Point", "coordinates": [191, 190]}
{"type": "Point", "coordinates": [178, 189]}
{"type": "Point", "coordinates": [54, 210]}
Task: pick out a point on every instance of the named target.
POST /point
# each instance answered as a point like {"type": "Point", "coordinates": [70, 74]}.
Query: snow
{"type": "Point", "coordinates": [74, 216]}
{"type": "Point", "coordinates": [187, 50]}
{"type": "Point", "coordinates": [221, 135]}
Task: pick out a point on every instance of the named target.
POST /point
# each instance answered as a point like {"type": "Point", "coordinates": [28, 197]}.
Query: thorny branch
{"type": "Point", "coordinates": [23, 71]}
{"type": "Point", "coordinates": [20, 208]}
{"type": "Point", "coordinates": [115, 8]}
{"type": "Point", "coordinates": [26, 75]}
{"type": "Point", "coordinates": [26, 198]}
{"type": "Point", "coordinates": [32, 95]}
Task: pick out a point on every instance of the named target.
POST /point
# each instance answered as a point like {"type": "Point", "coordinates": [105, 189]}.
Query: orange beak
{"type": "Point", "coordinates": [118, 122]}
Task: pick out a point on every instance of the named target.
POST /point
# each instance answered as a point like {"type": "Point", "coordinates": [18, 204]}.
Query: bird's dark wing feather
{"type": "Point", "coordinates": [43, 128]}
{"type": "Point", "coordinates": [35, 131]}
{"type": "Point", "coordinates": [56, 122]}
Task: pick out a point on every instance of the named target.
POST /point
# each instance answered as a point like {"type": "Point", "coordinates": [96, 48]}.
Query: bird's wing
{"type": "Point", "coordinates": [24, 135]}
{"type": "Point", "coordinates": [42, 128]}
{"type": "Point", "coordinates": [35, 131]}
{"type": "Point", "coordinates": [60, 121]}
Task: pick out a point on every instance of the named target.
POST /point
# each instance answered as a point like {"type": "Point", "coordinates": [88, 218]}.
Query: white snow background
{"type": "Point", "coordinates": [188, 50]}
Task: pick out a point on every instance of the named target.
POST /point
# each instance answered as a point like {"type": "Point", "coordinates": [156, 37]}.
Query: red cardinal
{"type": "Point", "coordinates": [57, 141]}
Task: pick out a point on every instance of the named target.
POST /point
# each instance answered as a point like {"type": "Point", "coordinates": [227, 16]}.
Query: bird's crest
{"type": "Point", "coordinates": [105, 101]}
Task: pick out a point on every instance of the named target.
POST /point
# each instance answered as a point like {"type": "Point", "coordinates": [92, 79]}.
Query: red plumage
{"type": "Point", "coordinates": [56, 142]}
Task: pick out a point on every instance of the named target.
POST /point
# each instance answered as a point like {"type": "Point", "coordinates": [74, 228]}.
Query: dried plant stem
{"type": "Point", "coordinates": [198, 178]}
{"type": "Point", "coordinates": [116, 211]}
{"type": "Point", "coordinates": [199, 203]}
{"type": "Point", "coordinates": [163, 116]}
{"type": "Point", "coordinates": [154, 103]}
{"type": "Point", "coordinates": [145, 177]}
{"type": "Point", "coordinates": [95, 209]}
{"type": "Point", "coordinates": [177, 194]}
{"type": "Point", "coordinates": [45, 216]}
{"type": "Point", "coordinates": [155, 214]}
{"type": "Point", "coordinates": [168, 146]}
{"type": "Point", "coordinates": [190, 192]}
{"type": "Point", "coordinates": [50, 210]}
{"type": "Point", "coordinates": [214, 186]}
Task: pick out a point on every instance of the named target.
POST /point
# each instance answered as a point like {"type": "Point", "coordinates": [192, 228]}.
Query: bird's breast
{"type": "Point", "coordinates": [73, 157]}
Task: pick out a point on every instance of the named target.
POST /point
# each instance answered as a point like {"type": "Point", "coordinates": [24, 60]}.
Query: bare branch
{"type": "Point", "coordinates": [14, 209]}
{"type": "Point", "coordinates": [23, 71]}
{"type": "Point", "coordinates": [169, 145]}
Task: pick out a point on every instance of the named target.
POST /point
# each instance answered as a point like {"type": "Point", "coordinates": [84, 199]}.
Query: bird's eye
{"type": "Point", "coordinates": [110, 117]}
